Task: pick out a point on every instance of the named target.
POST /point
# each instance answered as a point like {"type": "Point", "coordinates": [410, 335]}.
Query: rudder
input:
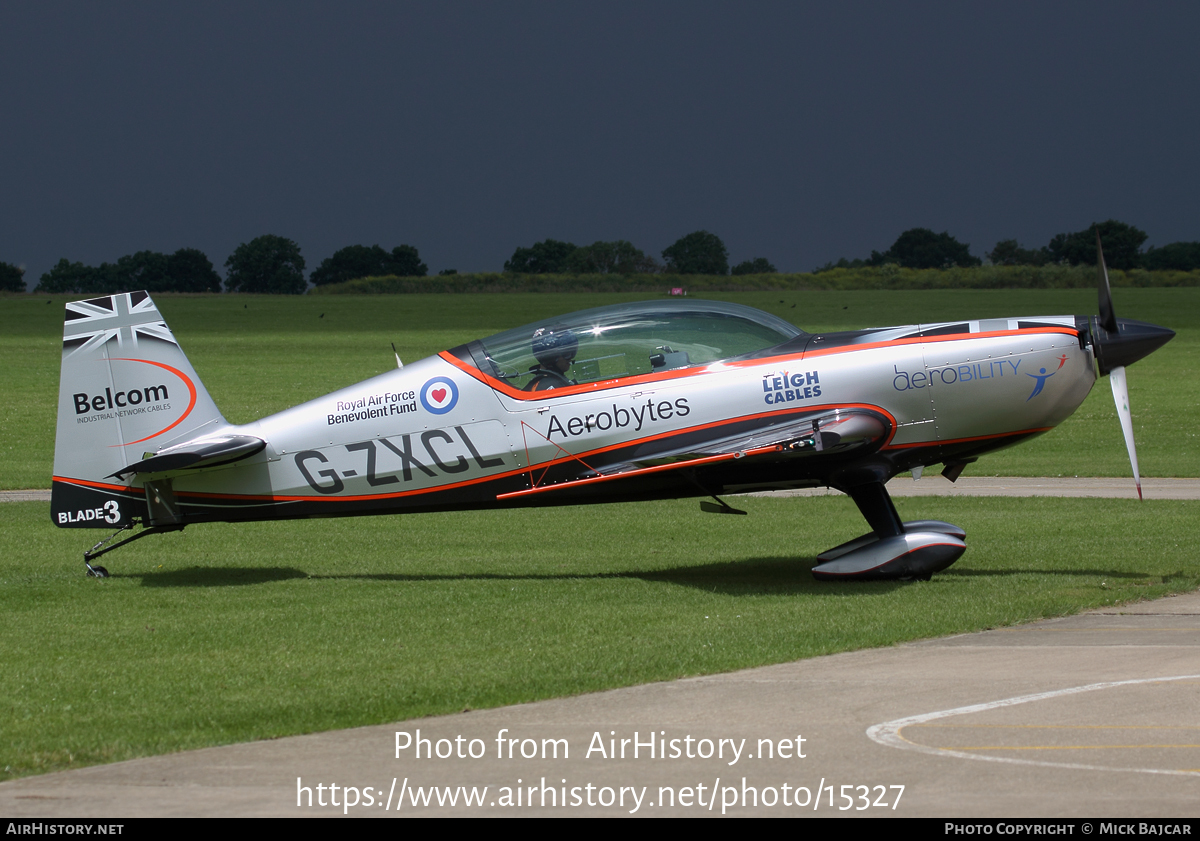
{"type": "Point", "coordinates": [126, 390]}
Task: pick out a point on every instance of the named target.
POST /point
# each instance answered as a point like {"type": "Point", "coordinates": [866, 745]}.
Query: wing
{"type": "Point", "coordinates": [828, 433]}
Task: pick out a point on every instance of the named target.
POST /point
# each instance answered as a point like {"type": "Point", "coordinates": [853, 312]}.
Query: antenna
{"type": "Point", "coordinates": [399, 364]}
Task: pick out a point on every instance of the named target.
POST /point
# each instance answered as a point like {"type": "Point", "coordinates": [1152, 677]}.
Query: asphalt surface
{"type": "Point", "coordinates": [1094, 715]}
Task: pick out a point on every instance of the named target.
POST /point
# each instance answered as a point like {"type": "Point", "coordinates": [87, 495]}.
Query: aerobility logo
{"type": "Point", "coordinates": [439, 395]}
{"type": "Point", "coordinates": [1042, 376]}
{"type": "Point", "coordinates": [973, 372]}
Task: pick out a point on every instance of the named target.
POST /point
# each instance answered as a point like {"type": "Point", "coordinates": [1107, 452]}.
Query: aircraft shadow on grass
{"type": "Point", "coordinates": [217, 576]}
{"type": "Point", "coordinates": [753, 576]}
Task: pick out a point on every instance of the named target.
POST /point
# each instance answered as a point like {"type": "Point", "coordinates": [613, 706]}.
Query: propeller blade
{"type": "Point", "coordinates": [1120, 390]}
{"type": "Point", "coordinates": [1108, 318]}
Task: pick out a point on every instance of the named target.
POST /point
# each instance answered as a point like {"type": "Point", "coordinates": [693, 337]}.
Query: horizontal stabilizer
{"type": "Point", "coordinates": [197, 455]}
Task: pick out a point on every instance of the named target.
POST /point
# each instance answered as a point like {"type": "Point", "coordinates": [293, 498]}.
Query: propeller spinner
{"type": "Point", "coordinates": [1118, 342]}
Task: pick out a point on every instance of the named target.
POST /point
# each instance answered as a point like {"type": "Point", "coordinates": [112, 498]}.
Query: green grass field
{"type": "Point", "coordinates": [226, 633]}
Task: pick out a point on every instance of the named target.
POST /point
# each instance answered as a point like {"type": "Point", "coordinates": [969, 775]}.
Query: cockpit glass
{"type": "Point", "coordinates": [627, 340]}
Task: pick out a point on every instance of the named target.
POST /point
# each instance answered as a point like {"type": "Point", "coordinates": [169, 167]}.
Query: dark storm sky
{"type": "Point", "coordinates": [801, 132]}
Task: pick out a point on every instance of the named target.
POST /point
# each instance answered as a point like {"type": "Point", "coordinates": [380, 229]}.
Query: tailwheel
{"type": "Point", "coordinates": [96, 571]}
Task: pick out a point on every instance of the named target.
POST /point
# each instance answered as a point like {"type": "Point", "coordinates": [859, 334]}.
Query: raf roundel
{"type": "Point", "coordinates": [439, 395]}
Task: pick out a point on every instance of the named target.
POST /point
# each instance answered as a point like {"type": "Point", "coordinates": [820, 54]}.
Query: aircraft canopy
{"type": "Point", "coordinates": [630, 339]}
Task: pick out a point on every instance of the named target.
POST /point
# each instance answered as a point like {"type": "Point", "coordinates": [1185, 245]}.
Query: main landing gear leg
{"type": "Point", "coordinates": [876, 506]}
{"type": "Point", "coordinates": [894, 550]}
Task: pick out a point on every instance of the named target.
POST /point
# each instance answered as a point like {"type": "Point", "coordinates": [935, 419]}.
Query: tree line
{"type": "Point", "coordinates": [921, 248]}
{"type": "Point", "coordinates": [268, 264]}
{"type": "Point", "coordinates": [274, 265]}
{"type": "Point", "coordinates": [697, 253]}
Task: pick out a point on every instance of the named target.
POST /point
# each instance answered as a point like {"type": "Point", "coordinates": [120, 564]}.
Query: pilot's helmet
{"type": "Point", "coordinates": [549, 343]}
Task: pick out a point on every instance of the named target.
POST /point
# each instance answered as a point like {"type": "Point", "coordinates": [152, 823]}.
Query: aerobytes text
{"type": "Point", "coordinates": [619, 418]}
{"type": "Point", "coordinates": [85, 403]}
{"type": "Point", "coordinates": [375, 406]}
{"type": "Point", "coordinates": [783, 387]}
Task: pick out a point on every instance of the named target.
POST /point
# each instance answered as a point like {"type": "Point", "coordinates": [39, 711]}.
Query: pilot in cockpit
{"type": "Point", "coordinates": [555, 349]}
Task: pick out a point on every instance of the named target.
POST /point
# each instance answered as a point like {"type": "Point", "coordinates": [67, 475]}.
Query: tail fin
{"type": "Point", "coordinates": [126, 390]}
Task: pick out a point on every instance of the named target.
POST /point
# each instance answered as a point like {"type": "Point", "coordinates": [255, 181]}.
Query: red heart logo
{"type": "Point", "coordinates": [438, 394]}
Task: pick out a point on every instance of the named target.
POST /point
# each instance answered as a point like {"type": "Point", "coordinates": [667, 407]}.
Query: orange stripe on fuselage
{"type": "Point", "coordinates": [106, 486]}
{"type": "Point", "coordinates": [941, 442]}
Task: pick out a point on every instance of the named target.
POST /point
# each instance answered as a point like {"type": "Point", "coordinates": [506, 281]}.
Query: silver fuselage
{"type": "Point", "coordinates": [385, 443]}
